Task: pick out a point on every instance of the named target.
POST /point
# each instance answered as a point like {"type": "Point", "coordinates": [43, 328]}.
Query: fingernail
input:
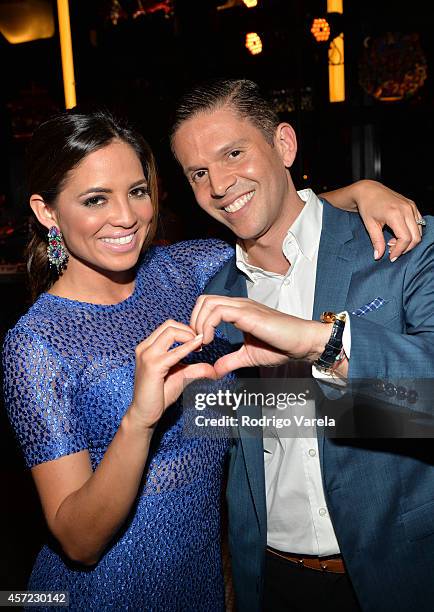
{"type": "Point", "coordinates": [393, 259]}
{"type": "Point", "coordinates": [391, 243]}
{"type": "Point", "coordinates": [376, 254]}
{"type": "Point", "coordinates": [198, 337]}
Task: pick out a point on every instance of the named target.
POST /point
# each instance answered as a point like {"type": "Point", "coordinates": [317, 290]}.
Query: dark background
{"type": "Point", "coordinates": [139, 67]}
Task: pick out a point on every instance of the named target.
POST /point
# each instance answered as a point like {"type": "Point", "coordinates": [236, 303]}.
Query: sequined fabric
{"type": "Point", "coordinates": [69, 372]}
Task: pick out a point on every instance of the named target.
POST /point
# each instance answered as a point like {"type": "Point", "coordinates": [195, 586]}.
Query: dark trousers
{"type": "Point", "coordinates": [289, 587]}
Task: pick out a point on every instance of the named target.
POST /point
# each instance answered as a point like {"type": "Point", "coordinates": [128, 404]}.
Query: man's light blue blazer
{"type": "Point", "coordinates": [380, 493]}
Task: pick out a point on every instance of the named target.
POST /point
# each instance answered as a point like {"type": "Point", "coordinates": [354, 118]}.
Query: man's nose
{"type": "Point", "coordinates": [221, 181]}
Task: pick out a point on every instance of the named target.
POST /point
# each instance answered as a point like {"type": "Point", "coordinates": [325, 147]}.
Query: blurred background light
{"type": "Point", "coordinates": [320, 29]}
{"type": "Point", "coordinates": [253, 43]}
{"type": "Point", "coordinates": [25, 21]}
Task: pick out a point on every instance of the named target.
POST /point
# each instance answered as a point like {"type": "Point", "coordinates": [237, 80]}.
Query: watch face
{"type": "Point", "coordinates": [328, 317]}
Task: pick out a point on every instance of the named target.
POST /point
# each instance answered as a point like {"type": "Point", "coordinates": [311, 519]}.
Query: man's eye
{"type": "Point", "coordinates": [139, 192]}
{"type": "Point", "coordinates": [197, 176]}
{"type": "Point", "coordinates": [235, 153]}
{"type": "Point", "coordinates": [94, 201]}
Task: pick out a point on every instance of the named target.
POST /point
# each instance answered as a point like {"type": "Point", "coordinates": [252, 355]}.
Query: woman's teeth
{"type": "Point", "coordinates": [240, 202]}
{"type": "Point", "coordinates": [121, 240]}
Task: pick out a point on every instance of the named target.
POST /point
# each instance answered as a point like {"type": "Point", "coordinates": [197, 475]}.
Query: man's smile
{"type": "Point", "coordinates": [240, 202]}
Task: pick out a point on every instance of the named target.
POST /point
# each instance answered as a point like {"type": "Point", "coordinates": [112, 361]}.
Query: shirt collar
{"type": "Point", "coordinates": [306, 231]}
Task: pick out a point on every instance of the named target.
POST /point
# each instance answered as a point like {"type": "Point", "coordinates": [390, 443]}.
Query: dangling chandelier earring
{"type": "Point", "coordinates": [56, 250]}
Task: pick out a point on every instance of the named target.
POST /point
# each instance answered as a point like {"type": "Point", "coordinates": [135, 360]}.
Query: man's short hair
{"type": "Point", "coordinates": [242, 95]}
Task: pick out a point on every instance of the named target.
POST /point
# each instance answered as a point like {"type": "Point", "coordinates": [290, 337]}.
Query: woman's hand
{"type": "Point", "coordinates": [159, 376]}
{"type": "Point", "coordinates": [379, 206]}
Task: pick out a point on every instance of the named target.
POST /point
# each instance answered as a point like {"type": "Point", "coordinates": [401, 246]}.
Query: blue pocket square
{"type": "Point", "coordinates": [374, 305]}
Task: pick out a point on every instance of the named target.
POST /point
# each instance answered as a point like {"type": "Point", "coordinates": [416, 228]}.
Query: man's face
{"type": "Point", "coordinates": [236, 175]}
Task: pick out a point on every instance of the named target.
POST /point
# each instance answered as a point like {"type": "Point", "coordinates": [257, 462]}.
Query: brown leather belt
{"type": "Point", "coordinates": [334, 564]}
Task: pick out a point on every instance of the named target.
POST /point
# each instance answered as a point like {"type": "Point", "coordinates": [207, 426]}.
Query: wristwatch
{"type": "Point", "coordinates": [333, 349]}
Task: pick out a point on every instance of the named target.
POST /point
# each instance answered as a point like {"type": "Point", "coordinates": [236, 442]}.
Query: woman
{"type": "Point", "coordinates": [131, 503]}
{"type": "Point", "coordinates": [133, 500]}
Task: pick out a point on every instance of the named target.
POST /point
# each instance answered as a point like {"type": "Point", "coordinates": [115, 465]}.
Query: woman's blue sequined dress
{"type": "Point", "coordinates": [69, 372]}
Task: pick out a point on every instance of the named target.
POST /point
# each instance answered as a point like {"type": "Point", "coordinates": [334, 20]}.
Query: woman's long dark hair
{"type": "Point", "coordinates": [59, 145]}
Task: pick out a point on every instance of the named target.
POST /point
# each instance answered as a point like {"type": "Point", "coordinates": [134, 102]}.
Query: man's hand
{"type": "Point", "coordinates": [379, 206]}
{"type": "Point", "coordinates": [270, 337]}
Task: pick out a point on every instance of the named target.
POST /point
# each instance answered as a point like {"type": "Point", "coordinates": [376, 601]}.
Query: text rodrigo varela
{"type": "Point", "coordinates": [277, 405]}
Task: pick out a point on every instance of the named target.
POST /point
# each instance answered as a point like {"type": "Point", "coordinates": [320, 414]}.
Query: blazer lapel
{"type": "Point", "coordinates": [334, 268]}
{"type": "Point", "coordinates": [252, 444]}
{"type": "Point", "coordinates": [337, 252]}
{"type": "Point", "coordinates": [231, 283]}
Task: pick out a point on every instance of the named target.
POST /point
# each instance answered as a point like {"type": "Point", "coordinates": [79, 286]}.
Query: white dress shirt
{"type": "Point", "coordinates": [297, 515]}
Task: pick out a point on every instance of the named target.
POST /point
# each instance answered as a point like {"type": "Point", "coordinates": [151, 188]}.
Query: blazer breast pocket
{"type": "Point", "coordinates": [383, 315]}
{"type": "Point", "coordinates": [419, 523]}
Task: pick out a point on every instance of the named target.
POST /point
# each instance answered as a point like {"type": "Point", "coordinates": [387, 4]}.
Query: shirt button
{"type": "Point", "coordinates": [287, 281]}
{"type": "Point", "coordinates": [322, 511]}
{"type": "Point", "coordinates": [312, 452]}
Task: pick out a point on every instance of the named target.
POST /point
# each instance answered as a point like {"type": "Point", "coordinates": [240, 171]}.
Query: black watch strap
{"type": "Point", "coordinates": [333, 347]}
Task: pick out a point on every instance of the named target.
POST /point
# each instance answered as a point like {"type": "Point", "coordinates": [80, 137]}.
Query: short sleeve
{"type": "Point", "coordinates": [39, 397]}
{"type": "Point", "coordinates": [201, 259]}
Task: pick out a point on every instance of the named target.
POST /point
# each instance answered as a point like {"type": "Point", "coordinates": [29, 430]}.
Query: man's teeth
{"type": "Point", "coordinates": [121, 240]}
{"type": "Point", "coordinates": [239, 202]}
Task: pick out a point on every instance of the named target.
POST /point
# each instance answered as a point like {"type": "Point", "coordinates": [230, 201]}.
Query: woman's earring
{"type": "Point", "coordinates": [56, 250]}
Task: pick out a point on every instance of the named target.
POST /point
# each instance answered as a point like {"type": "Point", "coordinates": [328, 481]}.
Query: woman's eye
{"type": "Point", "coordinates": [94, 201]}
{"type": "Point", "coordinates": [139, 192]}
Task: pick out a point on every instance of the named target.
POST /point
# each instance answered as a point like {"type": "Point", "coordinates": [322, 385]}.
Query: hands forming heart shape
{"type": "Point", "coordinates": [270, 338]}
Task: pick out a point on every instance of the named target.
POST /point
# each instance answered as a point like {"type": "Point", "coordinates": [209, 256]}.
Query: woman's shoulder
{"type": "Point", "coordinates": [209, 252]}
{"type": "Point", "coordinates": [41, 323]}
{"type": "Point", "coordinates": [189, 263]}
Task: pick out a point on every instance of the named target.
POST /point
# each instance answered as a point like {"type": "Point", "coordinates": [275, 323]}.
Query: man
{"type": "Point", "coordinates": [336, 524]}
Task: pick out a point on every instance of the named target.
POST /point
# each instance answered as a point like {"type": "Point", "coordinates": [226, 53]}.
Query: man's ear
{"type": "Point", "coordinates": [44, 214]}
{"type": "Point", "coordinates": [285, 141]}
